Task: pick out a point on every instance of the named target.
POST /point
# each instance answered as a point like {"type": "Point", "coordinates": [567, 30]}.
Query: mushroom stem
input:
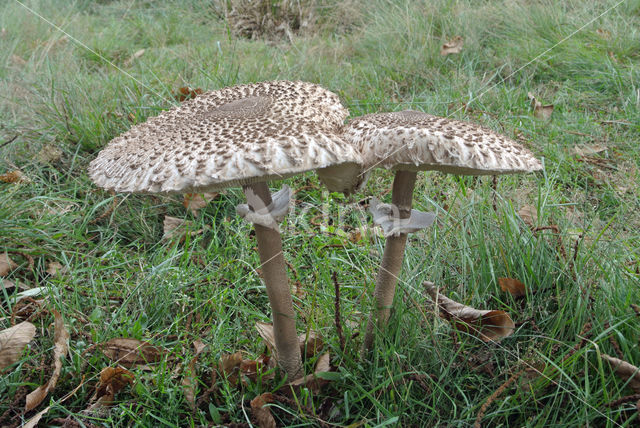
{"type": "Point", "coordinates": [401, 198]}
{"type": "Point", "coordinates": [275, 278]}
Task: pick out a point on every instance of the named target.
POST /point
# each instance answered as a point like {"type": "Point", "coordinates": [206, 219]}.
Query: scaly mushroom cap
{"type": "Point", "coordinates": [229, 137]}
{"type": "Point", "coordinates": [416, 141]}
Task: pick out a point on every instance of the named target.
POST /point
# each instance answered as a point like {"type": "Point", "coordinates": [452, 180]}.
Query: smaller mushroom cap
{"type": "Point", "coordinates": [416, 141]}
{"type": "Point", "coordinates": [230, 137]}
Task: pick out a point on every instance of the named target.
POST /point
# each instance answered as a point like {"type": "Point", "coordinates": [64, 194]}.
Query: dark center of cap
{"type": "Point", "coordinates": [242, 108]}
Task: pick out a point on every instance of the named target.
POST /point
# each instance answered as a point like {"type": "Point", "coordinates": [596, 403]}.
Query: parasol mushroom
{"type": "Point", "coordinates": [412, 141]}
{"type": "Point", "coordinates": [239, 136]}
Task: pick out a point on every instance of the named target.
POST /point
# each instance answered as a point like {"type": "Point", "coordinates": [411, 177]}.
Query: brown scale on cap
{"type": "Point", "coordinates": [416, 141]}
{"type": "Point", "coordinates": [229, 137]}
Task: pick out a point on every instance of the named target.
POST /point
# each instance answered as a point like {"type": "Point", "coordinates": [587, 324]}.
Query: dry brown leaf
{"type": "Point", "coordinates": [6, 264]}
{"type": "Point", "coordinates": [14, 177]}
{"type": "Point", "coordinates": [61, 347]}
{"type": "Point", "coordinates": [189, 379]}
{"type": "Point", "coordinates": [131, 352]}
{"type": "Point", "coordinates": [55, 268]}
{"type": "Point", "coordinates": [177, 228]}
{"type": "Point", "coordinates": [488, 325]}
{"type": "Point", "coordinates": [134, 57]}
{"type": "Point", "coordinates": [309, 343]}
{"type": "Point", "coordinates": [586, 150]}
{"type": "Point", "coordinates": [49, 153]}
{"type": "Point", "coordinates": [186, 93]}
{"type": "Point", "coordinates": [540, 111]}
{"type": "Point", "coordinates": [12, 342]}
{"type": "Point", "coordinates": [311, 381]}
{"type": "Point", "coordinates": [453, 46]}
{"type": "Point", "coordinates": [112, 381]}
{"type": "Point", "coordinates": [626, 371]}
{"type": "Point", "coordinates": [529, 215]}
{"type": "Point", "coordinates": [261, 414]}
{"type": "Point", "coordinates": [229, 365]}
{"type": "Point", "coordinates": [366, 233]}
{"type": "Point", "coordinates": [605, 34]}
{"type": "Point", "coordinates": [196, 201]}
{"type": "Point", "coordinates": [513, 286]}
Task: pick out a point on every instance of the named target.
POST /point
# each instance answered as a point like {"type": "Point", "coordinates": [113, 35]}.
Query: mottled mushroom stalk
{"type": "Point", "coordinates": [275, 278]}
{"type": "Point", "coordinates": [405, 220]}
{"type": "Point", "coordinates": [412, 141]}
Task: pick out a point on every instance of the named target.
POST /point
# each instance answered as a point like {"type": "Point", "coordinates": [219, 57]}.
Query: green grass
{"type": "Point", "coordinates": [122, 280]}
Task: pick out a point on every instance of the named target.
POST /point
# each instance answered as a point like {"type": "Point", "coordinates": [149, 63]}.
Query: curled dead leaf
{"type": "Point", "coordinates": [626, 371]}
{"type": "Point", "coordinates": [529, 215]}
{"type": "Point", "coordinates": [55, 268]}
{"type": "Point", "coordinates": [12, 342]}
{"type": "Point", "coordinates": [131, 352]}
{"type": "Point", "coordinates": [196, 201]}
{"type": "Point", "coordinates": [312, 381]}
{"type": "Point", "coordinates": [453, 46]}
{"type": "Point", "coordinates": [310, 343]}
{"type": "Point", "coordinates": [112, 381]}
{"type": "Point", "coordinates": [16, 176]}
{"type": "Point", "coordinates": [6, 264]}
{"type": "Point", "coordinates": [189, 379]}
{"type": "Point", "coordinates": [186, 93]}
{"type": "Point", "coordinates": [487, 325]}
{"type": "Point", "coordinates": [262, 415]}
{"type": "Point", "coordinates": [61, 347]}
{"type": "Point", "coordinates": [586, 150]}
{"type": "Point", "coordinates": [513, 286]}
{"type": "Point", "coordinates": [177, 228]}
{"type": "Point", "coordinates": [134, 57]}
{"type": "Point", "coordinates": [540, 111]}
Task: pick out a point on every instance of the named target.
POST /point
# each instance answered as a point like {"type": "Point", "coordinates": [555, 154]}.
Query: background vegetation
{"type": "Point", "coordinates": [66, 91]}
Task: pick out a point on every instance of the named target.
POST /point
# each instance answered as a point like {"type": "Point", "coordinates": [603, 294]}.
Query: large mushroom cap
{"type": "Point", "coordinates": [229, 137]}
{"type": "Point", "coordinates": [416, 141]}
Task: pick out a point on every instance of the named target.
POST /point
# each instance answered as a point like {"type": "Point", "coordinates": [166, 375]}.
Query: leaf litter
{"type": "Point", "coordinates": [488, 325]}
{"type": "Point", "coordinates": [13, 340]}
{"type": "Point", "coordinates": [60, 350]}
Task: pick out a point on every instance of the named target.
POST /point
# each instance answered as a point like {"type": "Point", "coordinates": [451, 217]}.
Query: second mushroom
{"type": "Point", "coordinates": [412, 141]}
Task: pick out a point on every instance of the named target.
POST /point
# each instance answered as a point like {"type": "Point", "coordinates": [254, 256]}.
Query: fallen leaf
{"type": "Point", "coordinates": [177, 228]}
{"type": "Point", "coordinates": [186, 93]}
{"type": "Point", "coordinates": [312, 381]}
{"type": "Point", "coordinates": [626, 372]}
{"type": "Point", "coordinates": [529, 215]}
{"type": "Point", "coordinates": [366, 233]}
{"type": "Point", "coordinates": [453, 46]}
{"type": "Point", "coordinates": [513, 286]}
{"type": "Point", "coordinates": [261, 414]}
{"type": "Point", "coordinates": [131, 352]}
{"type": "Point", "coordinates": [49, 153]}
{"type": "Point", "coordinates": [488, 325]}
{"type": "Point", "coordinates": [309, 343]}
{"type": "Point", "coordinates": [540, 111]}
{"type": "Point", "coordinates": [31, 292]}
{"type": "Point", "coordinates": [6, 264]}
{"type": "Point", "coordinates": [55, 268]}
{"type": "Point", "coordinates": [586, 150]}
{"type": "Point", "coordinates": [61, 347]}
{"type": "Point", "coordinates": [605, 34]}
{"type": "Point", "coordinates": [12, 342]}
{"type": "Point", "coordinates": [134, 57]}
{"type": "Point", "coordinates": [112, 381]}
{"type": "Point", "coordinates": [14, 177]}
{"type": "Point", "coordinates": [196, 201]}
{"type": "Point", "coordinates": [189, 379]}
{"type": "Point", "coordinates": [229, 365]}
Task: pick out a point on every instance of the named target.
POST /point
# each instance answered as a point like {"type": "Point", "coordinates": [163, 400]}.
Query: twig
{"type": "Point", "coordinates": [337, 311]}
{"type": "Point", "coordinates": [623, 400]}
{"type": "Point", "coordinates": [9, 141]}
{"type": "Point", "coordinates": [495, 395]}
